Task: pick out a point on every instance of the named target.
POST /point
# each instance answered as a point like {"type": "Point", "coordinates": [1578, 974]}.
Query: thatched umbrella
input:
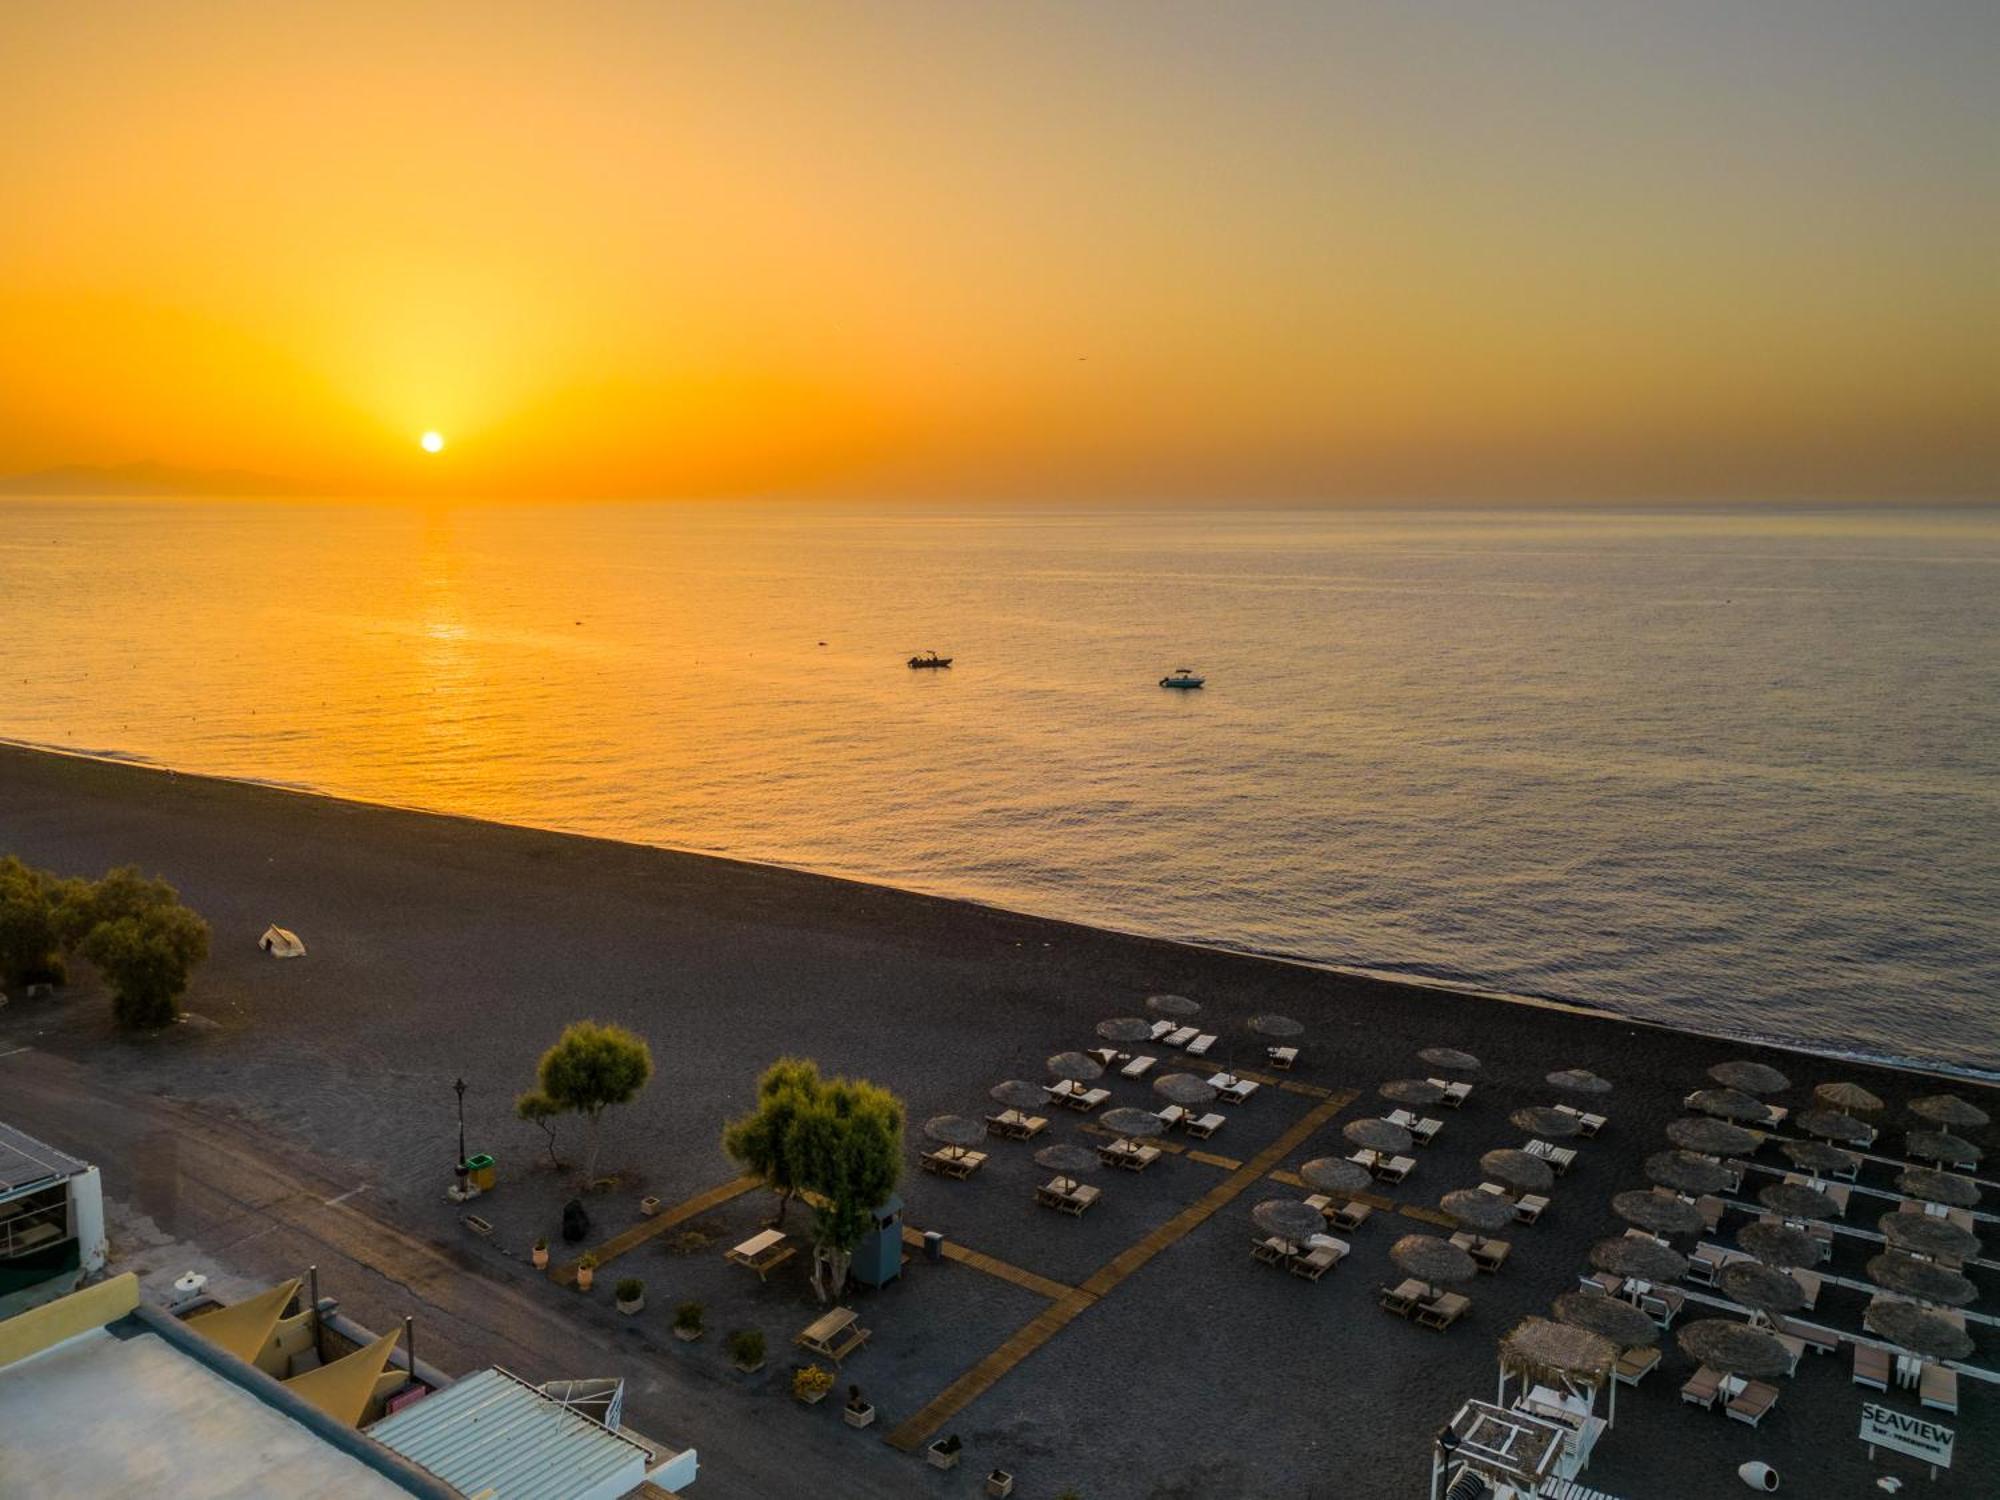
{"type": "Point", "coordinates": [1518, 1169]}
{"type": "Point", "coordinates": [1925, 1280]}
{"type": "Point", "coordinates": [1609, 1317]}
{"type": "Point", "coordinates": [1926, 1334]}
{"type": "Point", "coordinates": [1819, 1156]}
{"type": "Point", "coordinates": [1432, 1260]}
{"type": "Point", "coordinates": [1728, 1104]}
{"type": "Point", "coordinates": [1750, 1077]}
{"type": "Point", "coordinates": [1688, 1173]}
{"type": "Point", "coordinates": [1832, 1125]}
{"type": "Point", "coordinates": [955, 1131]}
{"type": "Point", "coordinates": [1580, 1081]}
{"type": "Point", "coordinates": [1288, 1219]}
{"type": "Point", "coordinates": [1018, 1093]}
{"type": "Point", "coordinates": [1377, 1135]}
{"type": "Point", "coordinates": [1648, 1260]}
{"type": "Point", "coordinates": [1066, 1159]}
{"type": "Point", "coordinates": [1417, 1091]}
{"type": "Point", "coordinates": [1711, 1137]}
{"type": "Point", "coordinates": [1934, 1186]}
{"type": "Point", "coordinates": [1173, 1005]}
{"type": "Point", "coordinates": [1764, 1288]}
{"type": "Point", "coordinates": [1539, 1119]}
{"type": "Point", "coordinates": [1942, 1146]}
{"type": "Point", "coordinates": [1472, 1209]}
{"type": "Point", "coordinates": [1779, 1244]}
{"type": "Point", "coordinates": [1076, 1067]}
{"type": "Point", "coordinates": [1130, 1124]}
{"type": "Point", "coordinates": [1734, 1349]}
{"type": "Point", "coordinates": [1797, 1201]}
{"type": "Point", "coordinates": [1921, 1234]}
{"type": "Point", "coordinates": [1847, 1096]}
{"type": "Point", "coordinates": [1276, 1026]}
{"type": "Point", "coordinates": [1950, 1111]}
{"type": "Point", "coordinates": [1335, 1174]}
{"type": "Point", "coordinates": [1450, 1059]}
{"type": "Point", "coordinates": [1539, 1352]}
{"type": "Point", "coordinates": [1656, 1214]}
{"type": "Point", "coordinates": [1184, 1089]}
{"type": "Point", "coordinates": [1125, 1029]}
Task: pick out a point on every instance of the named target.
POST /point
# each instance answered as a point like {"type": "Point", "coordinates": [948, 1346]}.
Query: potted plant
{"type": "Point", "coordinates": [810, 1383]}
{"type": "Point", "coordinates": [540, 1254]}
{"type": "Point", "coordinates": [746, 1350]}
{"type": "Point", "coordinates": [649, 1206]}
{"type": "Point", "coordinates": [631, 1295]}
{"type": "Point", "coordinates": [858, 1412]}
{"type": "Point", "coordinates": [943, 1454]}
{"type": "Point", "coordinates": [586, 1271]}
{"type": "Point", "coordinates": [1000, 1482]}
{"type": "Point", "coordinates": [687, 1322]}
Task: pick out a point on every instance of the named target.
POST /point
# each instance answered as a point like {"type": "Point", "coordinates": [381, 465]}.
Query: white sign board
{"type": "Point", "coordinates": [1882, 1426]}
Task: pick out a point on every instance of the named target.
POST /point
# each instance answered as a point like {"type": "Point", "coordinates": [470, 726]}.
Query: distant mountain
{"type": "Point", "coordinates": [145, 479]}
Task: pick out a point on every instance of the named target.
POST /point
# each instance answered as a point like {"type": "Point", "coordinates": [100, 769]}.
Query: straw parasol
{"type": "Point", "coordinates": [1734, 1349]}
{"type": "Point", "coordinates": [1923, 1332]}
{"type": "Point", "coordinates": [955, 1131]}
{"type": "Point", "coordinates": [1750, 1077]}
{"type": "Point", "coordinates": [1417, 1091]}
{"type": "Point", "coordinates": [1277, 1026]}
{"type": "Point", "coordinates": [1608, 1317]}
{"type": "Point", "coordinates": [1934, 1186]}
{"type": "Point", "coordinates": [1172, 1005]}
{"type": "Point", "coordinates": [1449, 1058]}
{"type": "Point", "coordinates": [1951, 1111]}
{"type": "Point", "coordinates": [1546, 1353]}
{"type": "Point", "coordinates": [1847, 1096]}
{"type": "Point", "coordinates": [1432, 1260]}
{"type": "Point", "coordinates": [1728, 1104]}
{"type": "Point", "coordinates": [1711, 1137]}
{"type": "Point", "coordinates": [1779, 1244]}
{"type": "Point", "coordinates": [1797, 1201]}
{"type": "Point", "coordinates": [1819, 1156]}
{"type": "Point", "coordinates": [1132, 1124]}
{"type": "Point", "coordinates": [1018, 1093]}
{"type": "Point", "coordinates": [1376, 1135]}
{"type": "Point", "coordinates": [1066, 1159]}
{"type": "Point", "coordinates": [1287, 1218]}
{"type": "Point", "coordinates": [1832, 1125]}
{"type": "Point", "coordinates": [1184, 1089]}
{"type": "Point", "coordinates": [1518, 1169]}
{"type": "Point", "coordinates": [1921, 1234]}
{"type": "Point", "coordinates": [1077, 1067]}
{"type": "Point", "coordinates": [1765, 1288]}
{"type": "Point", "coordinates": [1472, 1209]}
{"type": "Point", "coordinates": [1685, 1172]}
{"type": "Point", "coordinates": [1125, 1029]}
{"type": "Point", "coordinates": [1925, 1280]}
{"type": "Point", "coordinates": [1648, 1260]}
{"type": "Point", "coordinates": [1539, 1119]}
{"type": "Point", "coordinates": [1941, 1145]}
{"type": "Point", "coordinates": [1335, 1174]}
{"type": "Point", "coordinates": [1580, 1081]}
{"type": "Point", "coordinates": [1660, 1215]}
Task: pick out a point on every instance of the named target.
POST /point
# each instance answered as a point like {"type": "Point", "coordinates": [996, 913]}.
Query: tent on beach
{"type": "Point", "coordinates": [281, 942]}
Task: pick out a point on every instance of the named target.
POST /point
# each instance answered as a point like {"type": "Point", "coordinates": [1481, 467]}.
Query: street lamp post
{"type": "Point", "coordinates": [459, 1088]}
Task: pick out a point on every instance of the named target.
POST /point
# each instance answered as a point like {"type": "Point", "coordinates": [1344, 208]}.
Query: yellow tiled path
{"type": "Point", "coordinates": [661, 1222]}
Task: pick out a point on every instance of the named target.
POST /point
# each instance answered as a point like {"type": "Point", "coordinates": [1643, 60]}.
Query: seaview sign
{"type": "Point", "coordinates": [1881, 1426]}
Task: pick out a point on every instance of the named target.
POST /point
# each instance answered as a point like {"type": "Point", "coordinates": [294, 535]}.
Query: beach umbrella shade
{"type": "Point", "coordinates": [1276, 1026]}
{"type": "Point", "coordinates": [1925, 1280]}
{"type": "Point", "coordinates": [1686, 1172]}
{"type": "Point", "coordinates": [1076, 1067]}
{"type": "Point", "coordinates": [1377, 1135]}
{"type": "Point", "coordinates": [1950, 1110]}
{"type": "Point", "coordinates": [1750, 1077]}
{"type": "Point", "coordinates": [1432, 1260]}
{"type": "Point", "coordinates": [1518, 1169]}
{"type": "Point", "coordinates": [1450, 1059]}
{"type": "Point", "coordinates": [1934, 1186]}
{"type": "Point", "coordinates": [1779, 1244]}
{"type": "Point", "coordinates": [1132, 1124]}
{"type": "Point", "coordinates": [1927, 1334]}
{"type": "Point", "coordinates": [1539, 1119]}
{"type": "Point", "coordinates": [1832, 1125]}
{"type": "Point", "coordinates": [1612, 1318]}
{"type": "Point", "coordinates": [1542, 1352]}
{"type": "Point", "coordinates": [1940, 1145]}
{"type": "Point", "coordinates": [1184, 1089]}
{"type": "Point", "coordinates": [1765, 1288]}
{"type": "Point", "coordinates": [1173, 1005]}
{"type": "Point", "coordinates": [1734, 1349]}
{"type": "Point", "coordinates": [1728, 1104]}
{"type": "Point", "coordinates": [1066, 1159]}
{"type": "Point", "coordinates": [1846, 1096]}
{"type": "Point", "coordinates": [1417, 1091]}
{"type": "Point", "coordinates": [1018, 1093]}
{"type": "Point", "coordinates": [1125, 1029]}
{"type": "Point", "coordinates": [1472, 1209]}
{"type": "Point", "coordinates": [1335, 1174]}
{"type": "Point", "coordinates": [955, 1130]}
{"type": "Point", "coordinates": [1648, 1260]}
{"type": "Point", "coordinates": [1819, 1156]}
{"type": "Point", "coordinates": [1657, 1214]}
{"type": "Point", "coordinates": [1797, 1201]}
{"type": "Point", "coordinates": [1922, 1234]}
{"type": "Point", "coordinates": [1580, 1081]}
{"type": "Point", "coordinates": [1711, 1137]}
{"type": "Point", "coordinates": [1288, 1219]}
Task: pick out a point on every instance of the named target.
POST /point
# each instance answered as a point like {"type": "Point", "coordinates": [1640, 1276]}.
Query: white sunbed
{"type": "Point", "coordinates": [1455, 1094]}
{"type": "Point", "coordinates": [1180, 1037]}
{"type": "Point", "coordinates": [1139, 1067]}
{"type": "Point", "coordinates": [1200, 1045]}
{"type": "Point", "coordinates": [1587, 1125]}
{"type": "Point", "coordinates": [1282, 1058]}
{"type": "Point", "coordinates": [1205, 1127]}
{"type": "Point", "coordinates": [1562, 1158]}
{"type": "Point", "coordinates": [1423, 1130]}
{"type": "Point", "coordinates": [1089, 1099]}
{"type": "Point", "coordinates": [1164, 1029]}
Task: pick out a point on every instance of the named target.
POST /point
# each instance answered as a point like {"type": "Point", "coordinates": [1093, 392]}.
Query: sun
{"type": "Point", "coordinates": [433, 442]}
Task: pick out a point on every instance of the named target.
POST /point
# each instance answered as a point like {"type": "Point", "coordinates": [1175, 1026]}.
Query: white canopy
{"type": "Point", "coordinates": [280, 942]}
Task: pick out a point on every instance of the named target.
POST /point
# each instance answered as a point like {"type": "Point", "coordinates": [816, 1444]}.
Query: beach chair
{"type": "Point", "coordinates": [1775, 1115]}
{"type": "Point", "coordinates": [1351, 1216]}
{"type": "Point", "coordinates": [1105, 1056]}
{"type": "Point", "coordinates": [1809, 1283]}
{"type": "Point", "coordinates": [1662, 1304]}
{"type": "Point", "coordinates": [1282, 1058]}
{"type": "Point", "coordinates": [1559, 1158]}
{"type": "Point", "coordinates": [1795, 1349]}
{"type": "Point", "coordinates": [1058, 1093]}
{"type": "Point", "coordinates": [1139, 1067]}
{"type": "Point", "coordinates": [1710, 1208]}
{"type": "Point", "coordinates": [1205, 1127]}
{"type": "Point", "coordinates": [1736, 1169]}
{"type": "Point", "coordinates": [1705, 1263]}
{"type": "Point", "coordinates": [1396, 1168]}
{"type": "Point", "coordinates": [1269, 1251]}
{"type": "Point", "coordinates": [1131, 1157]}
{"type": "Point", "coordinates": [1602, 1281]}
{"type": "Point", "coordinates": [1444, 1312]}
{"type": "Point", "coordinates": [1938, 1387]}
{"type": "Point", "coordinates": [1587, 1125]}
{"type": "Point", "coordinates": [1530, 1207]}
{"type": "Point", "coordinates": [1164, 1029]}
{"type": "Point", "coordinates": [1702, 1388]}
{"type": "Point", "coordinates": [1323, 1253]}
{"type": "Point", "coordinates": [1402, 1298]}
{"type": "Point", "coordinates": [1490, 1255]}
{"type": "Point", "coordinates": [1455, 1094]}
{"type": "Point", "coordinates": [1420, 1130]}
{"type": "Point", "coordinates": [1634, 1365]}
{"type": "Point", "coordinates": [1088, 1100]}
{"type": "Point", "coordinates": [1755, 1399]}
{"type": "Point", "coordinates": [1200, 1045]}
{"type": "Point", "coordinates": [1180, 1036]}
{"type": "Point", "coordinates": [1235, 1090]}
{"type": "Point", "coordinates": [1171, 1116]}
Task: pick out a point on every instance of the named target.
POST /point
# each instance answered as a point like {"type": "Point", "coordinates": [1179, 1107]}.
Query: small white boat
{"type": "Point", "coordinates": [1183, 678]}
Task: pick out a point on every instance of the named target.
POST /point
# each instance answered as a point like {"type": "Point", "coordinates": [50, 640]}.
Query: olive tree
{"type": "Point", "coordinates": [138, 935]}
{"type": "Point", "coordinates": [591, 1067]}
{"type": "Point", "coordinates": [761, 1141]}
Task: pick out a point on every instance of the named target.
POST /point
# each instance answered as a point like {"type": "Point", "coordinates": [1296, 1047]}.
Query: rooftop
{"type": "Point", "coordinates": [26, 1162]}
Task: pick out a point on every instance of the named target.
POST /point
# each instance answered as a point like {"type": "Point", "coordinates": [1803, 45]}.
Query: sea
{"type": "Point", "coordinates": [1732, 770]}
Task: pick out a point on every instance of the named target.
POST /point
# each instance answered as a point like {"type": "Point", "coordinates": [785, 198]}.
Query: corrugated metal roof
{"type": "Point", "coordinates": [25, 1161]}
{"type": "Point", "coordinates": [494, 1431]}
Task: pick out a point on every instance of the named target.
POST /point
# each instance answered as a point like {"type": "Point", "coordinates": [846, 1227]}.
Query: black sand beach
{"type": "Point", "coordinates": [441, 947]}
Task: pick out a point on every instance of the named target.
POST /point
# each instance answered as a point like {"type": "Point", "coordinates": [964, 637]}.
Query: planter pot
{"type": "Point", "coordinates": [540, 1258]}
{"type": "Point", "coordinates": [940, 1458]}
{"type": "Point", "coordinates": [1000, 1482]}
{"type": "Point", "coordinates": [1758, 1475]}
{"type": "Point", "coordinates": [637, 1304]}
{"type": "Point", "coordinates": [815, 1399]}
{"type": "Point", "coordinates": [686, 1335]}
{"type": "Point", "coordinates": [649, 1206]}
{"type": "Point", "coordinates": [586, 1277]}
{"type": "Point", "coordinates": [748, 1369]}
{"type": "Point", "coordinates": [857, 1416]}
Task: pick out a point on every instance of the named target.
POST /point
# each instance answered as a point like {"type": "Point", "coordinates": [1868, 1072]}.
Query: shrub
{"type": "Point", "coordinates": [631, 1289]}
{"type": "Point", "coordinates": [589, 1069]}
{"type": "Point", "coordinates": [586, 1261]}
{"type": "Point", "coordinates": [138, 935]}
{"type": "Point", "coordinates": [746, 1346]}
{"type": "Point", "coordinates": [811, 1380]}
{"type": "Point", "coordinates": [688, 1316]}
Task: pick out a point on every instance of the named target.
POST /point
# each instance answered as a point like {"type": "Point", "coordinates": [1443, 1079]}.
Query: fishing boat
{"type": "Point", "coordinates": [929, 659]}
{"type": "Point", "coordinates": [1183, 678]}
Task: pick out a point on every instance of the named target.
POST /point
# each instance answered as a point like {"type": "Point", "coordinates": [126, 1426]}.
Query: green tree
{"type": "Point", "coordinates": [29, 942]}
{"type": "Point", "coordinates": [539, 1110]}
{"type": "Point", "coordinates": [760, 1142]}
{"type": "Point", "coordinates": [590, 1068]}
{"type": "Point", "coordinates": [138, 935]}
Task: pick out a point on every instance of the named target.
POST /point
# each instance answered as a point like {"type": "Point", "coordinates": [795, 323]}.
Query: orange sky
{"type": "Point", "coordinates": [1263, 251]}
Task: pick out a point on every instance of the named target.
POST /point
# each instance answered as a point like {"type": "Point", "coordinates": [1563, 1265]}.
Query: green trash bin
{"type": "Point", "coordinates": [479, 1171]}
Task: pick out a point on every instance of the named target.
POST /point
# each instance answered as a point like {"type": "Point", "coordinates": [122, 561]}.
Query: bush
{"type": "Point", "coordinates": [809, 1381]}
{"type": "Point", "coordinates": [586, 1261]}
{"type": "Point", "coordinates": [139, 936]}
{"type": "Point", "coordinates": [688, 1316]}
{"type": "Point", "coordinates": [746, 1346]}
{"type": "Point", "coordinates": [631, 1289]}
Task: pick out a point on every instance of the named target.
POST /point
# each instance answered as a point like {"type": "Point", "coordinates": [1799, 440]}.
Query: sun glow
{"type": "Point", "coordinates": [433, 442]}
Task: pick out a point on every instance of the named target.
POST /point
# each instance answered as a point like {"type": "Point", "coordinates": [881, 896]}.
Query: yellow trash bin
{"type": "Point", "coordinates": [479, 1171]}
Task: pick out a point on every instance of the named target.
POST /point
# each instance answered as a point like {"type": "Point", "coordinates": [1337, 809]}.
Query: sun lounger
{"type": "Point", "coordinates": [1395, 1168]}
{"type": "Point", "coordinates": [1130, 1155]}
{"type": "Point", "coordinates": [1352, 1216]}
{"type": "Point", "coordinates": [1662, 1304]}
{"type": "Point", "coordinates": [1235, 1090]}
{"type": "Point", "coordinates": [1710, 1208]}
{"type": "Point", "coordinates": [1490, 1255]}
{"type": "Point", "coordinates": [1402, 1298]}
{"type": "Point", "coordinates": [1819, 1340]}
{"type": "Point", "coordinates": [1139, 1067]}
{"type": "Point", "coordinates": [1938, 1387]}
{"type": "Point", "coordinates": [1702, 1388]}
{"type": "Point", "coordinates": [1205, 1127]}
{"type": "Point", "coordinates": [1795, 1349]}
{"type": "Point", "coordinates": [1444, 1312]}
{"type": "Point", "coordinates": [1200, 1045]}
{"type": "Point", "coordinates": [1634, 1365]}
{"type": "Point", "coordinates": [1602, 1281]}
{"type": "Point", "coordinates": [1078, 1198]}
{"type": "Point", "coordinates": [1322, 1253]}
{"type": "Point", "coordinates": [1561, 1158]}
{"type": "Point", "coordinates": [1455, 1094]}
{"type": "Point", "coordinates": [1269, 1251]}
{"type": "Point", "coordinates": [1529, 1207]}
{"type": "Point", "coordinates": [1058, 1093]}
{"type": "Point", "coordinates": [1587, 1125]}
{"type": "Point", "coordinates": [1282, 1058]}
{"type": "Point", "coordinates": [1164, 1029]}
{"type": "Point", "coordinates": [1871, 1366]}
{"type": "Point", "coordinates": [1421, 1130]}
{"type": "Point", "coordinates": [1104, 1055]}
{"type": "Point", "coordinates": [1809, 1283]}
{"type": "Point", "coordinates": [1012, 1125]}
{"type": "Point", "coordinates": [1088, 1100]}
{"type": "Point", "coordinates": [953, 1163]}
{"type": "Point", "coordinates": [1171, 1116]}
{"type": "Point", "coordinates": [1180, 1037]}
{"type": "Point", "coordinates": [1755, 1400]}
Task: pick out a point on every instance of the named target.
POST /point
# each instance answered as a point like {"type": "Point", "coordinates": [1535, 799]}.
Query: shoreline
{"type": "Point", "coordinates": [1427, 984]}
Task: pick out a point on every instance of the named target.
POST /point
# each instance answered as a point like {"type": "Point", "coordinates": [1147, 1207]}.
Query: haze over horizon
{"type": "Point", "coordinates": [1284, 252]}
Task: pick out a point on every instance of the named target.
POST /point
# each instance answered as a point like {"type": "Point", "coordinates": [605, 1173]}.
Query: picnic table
{"type": "Point", "coordinates": [762, 1253]}
{"type": "Point", "coordinates": [835, 1334]}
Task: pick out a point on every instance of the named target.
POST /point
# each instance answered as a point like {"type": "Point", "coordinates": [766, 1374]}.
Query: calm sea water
{"type": "Point", "coordinates": [1736, 771]}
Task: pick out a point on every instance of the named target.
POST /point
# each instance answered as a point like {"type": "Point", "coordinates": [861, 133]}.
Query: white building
{"type": "Point", "coordinates": [51, 1222]}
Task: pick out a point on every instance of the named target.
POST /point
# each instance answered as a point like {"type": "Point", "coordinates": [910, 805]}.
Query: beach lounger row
{"type": "Point", "coordinates": [953, 1163]}
{"type": "Point", "coordinates": [1319, 1255]}
{"type": "Point", "coordinates": [1190, 1039]}
{"type": "Point", "coordinates": [1075, 1095]}
{"type": "Point", "coordinates": [1012, 1125]}
{"type": "Point", "coordinates": [1235, 1090]}
{"type": "Point", "coordinates": [1130, 1155]}
{"type": "Point", "coordinates": [1819, 1340]}
{"type": "Point", "coordinates": [1349, 1216]}
{"type": "Point", "coordinates": [1201, 1127]}
{"type": "Point", "coordinates": [1745, 1400]}
{"type": "Point", "coordinates": [1705, 1262]}
{"type": "Point", "coordinates": [1407, 1299]}
{"type": "Point", "coordinates": [1527, 1208]}
{"type": "Point", "coordinates": [1487, 1254]}
{"type": "Point", "coordinates": [1587, 1125]}
{"type": "Point", "coordinates": [1455, 1094]}
{"type": "Point", "coordinates": [1561, 1158]}
{"type": "Point", "coordinates": [1634, 1365]}
{"type": "Point", "coordinates": [1074, 1200]}
{"type": "Point", "coordinates": [1139, 1066]}
{"type": "Point", "coordinates": [1387, 1168]}
{"type": "Point", "coordinates": [1423, 1131]}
